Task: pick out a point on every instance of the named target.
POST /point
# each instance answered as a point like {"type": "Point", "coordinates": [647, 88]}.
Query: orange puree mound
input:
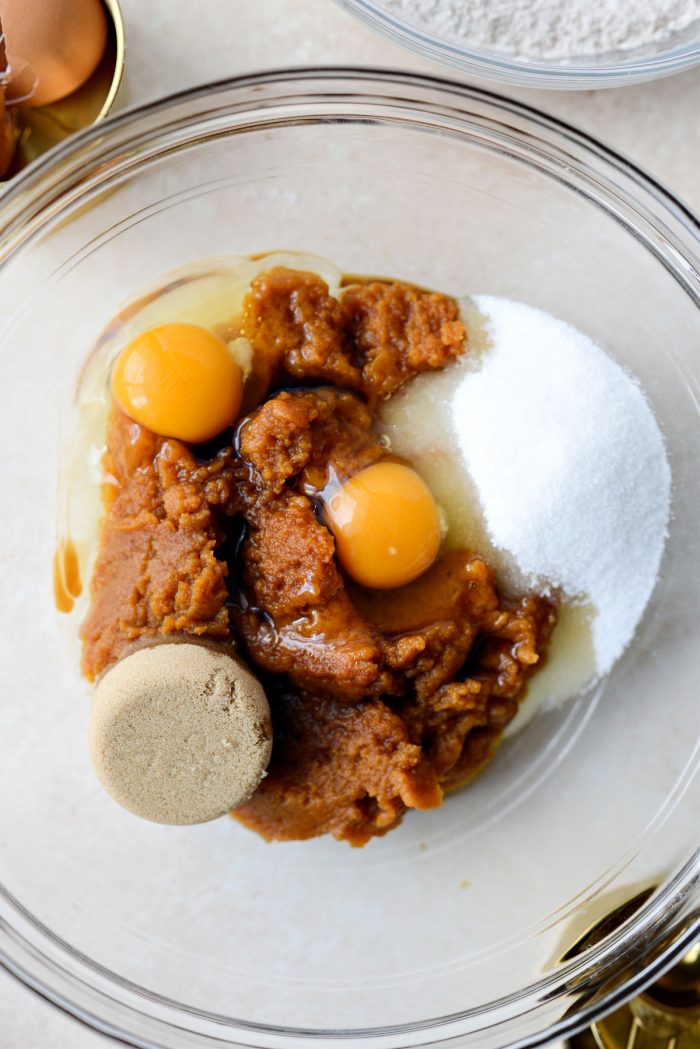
{"type": "Point", "coordinates": [386, 695]}
{"type": "Point", "coordinates": [296, 330]}
{"type": "Point", "coordinates": [156, 572]}
{"type": "Point", "coordinates": [375, 338]}
{"type": "Point", "coordinates": [352, 769]}
{"type": "Point", "coordinates": [399, 331]}
{"type": "Point", "coordinates": [347, 771]}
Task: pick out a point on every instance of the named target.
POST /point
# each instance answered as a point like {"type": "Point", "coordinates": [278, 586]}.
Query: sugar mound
{"type": "Point", "coordinates": [568, 465]}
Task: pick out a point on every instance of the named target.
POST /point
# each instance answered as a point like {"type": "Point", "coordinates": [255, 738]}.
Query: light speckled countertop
{"type": "Point", "coordinates": [656, 124]}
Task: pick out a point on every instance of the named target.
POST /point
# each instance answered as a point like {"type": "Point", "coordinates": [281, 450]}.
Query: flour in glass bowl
{"type": "Point", "coordinates": [552, 30]}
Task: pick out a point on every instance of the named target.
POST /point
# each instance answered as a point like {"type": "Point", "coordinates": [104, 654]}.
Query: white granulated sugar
{"type": "Point", "coordinates": [569, 466]}
{"type": "Point", "coordinates": [552, 29]}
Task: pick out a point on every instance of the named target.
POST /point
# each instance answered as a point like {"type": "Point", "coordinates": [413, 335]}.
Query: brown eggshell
{"type": "Point", "coordinates": [8, 135]}
{"type": "Point", "coordinates": [61, 40]}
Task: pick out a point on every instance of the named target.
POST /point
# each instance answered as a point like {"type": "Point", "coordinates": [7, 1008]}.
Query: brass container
{"type": "Point", "coordinates": [42, 127]}
{"type": "Point", "coordinates": [664, 1016]}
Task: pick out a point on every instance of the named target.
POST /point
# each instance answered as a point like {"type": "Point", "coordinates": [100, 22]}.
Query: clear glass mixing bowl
{"type": "Point", "coordinates": [585, 73]}
{"type": "Point", "coordinates": [458, 928]}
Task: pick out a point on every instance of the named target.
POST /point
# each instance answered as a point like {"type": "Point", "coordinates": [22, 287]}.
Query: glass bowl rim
{"type": "Point", "coordinates": [34, 197]}
{"type": "Point", "coordinates": [522, 72]}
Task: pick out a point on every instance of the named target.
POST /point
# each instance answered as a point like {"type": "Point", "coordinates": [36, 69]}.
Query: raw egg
{"type": "Point", "coordinates": [179, 380]}
{"type": "Point", "coordinates": [386, 525]}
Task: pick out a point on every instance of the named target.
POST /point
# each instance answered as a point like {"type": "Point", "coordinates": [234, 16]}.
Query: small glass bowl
{"type": "Point", "coordinates": [617, 70]}
{"type": "Point", "coordinates": [460, 927]}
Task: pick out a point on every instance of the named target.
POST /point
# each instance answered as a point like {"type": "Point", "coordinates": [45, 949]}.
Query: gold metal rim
{"type": "Point", "coordinates": [117, 18]}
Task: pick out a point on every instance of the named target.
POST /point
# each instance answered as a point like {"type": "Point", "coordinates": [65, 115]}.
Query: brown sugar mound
{"type": "Point", "coordinates": [179, 733]}
{"type": "Point", "coordinates": [157, 572]}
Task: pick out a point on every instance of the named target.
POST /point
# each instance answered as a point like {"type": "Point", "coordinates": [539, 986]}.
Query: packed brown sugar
{"type": "Point", "coordinates": [381, 698]}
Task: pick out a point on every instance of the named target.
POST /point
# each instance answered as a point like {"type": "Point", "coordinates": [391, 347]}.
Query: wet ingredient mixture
{"type": "Point", "coordinates": [391, 666]}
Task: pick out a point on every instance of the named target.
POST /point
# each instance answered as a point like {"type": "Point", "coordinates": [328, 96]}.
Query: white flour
{"type": "Point", "coordinates": [552, 29]}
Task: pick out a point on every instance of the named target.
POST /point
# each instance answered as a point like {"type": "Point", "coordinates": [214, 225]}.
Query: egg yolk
{"type": "Point", "coordinates": [386, 525]}
{"type": "Point", "coordinates": [179, 380]}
